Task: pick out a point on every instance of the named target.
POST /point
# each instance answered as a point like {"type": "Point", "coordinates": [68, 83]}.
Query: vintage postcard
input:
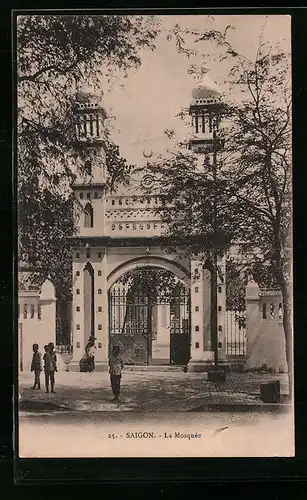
{"type": "Point", "coordinates": [154, 173]}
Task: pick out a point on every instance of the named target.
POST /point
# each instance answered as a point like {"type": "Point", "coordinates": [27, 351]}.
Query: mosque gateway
{"type": "Point", "coordinates": [118, 235]}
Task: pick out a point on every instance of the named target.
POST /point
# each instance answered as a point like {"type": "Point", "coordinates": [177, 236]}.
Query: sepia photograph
{"type": "Point", "coordinates": [154, 198]}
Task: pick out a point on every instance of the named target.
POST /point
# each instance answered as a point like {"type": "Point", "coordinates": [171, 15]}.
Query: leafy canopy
{"type": "Point", "coordinates": [56, 57]}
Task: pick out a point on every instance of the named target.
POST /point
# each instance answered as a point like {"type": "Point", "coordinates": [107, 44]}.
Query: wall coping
{"type": "Point", "coordinates": [28, 293]}
{"type": "Point", "coordinates": [272, 293]}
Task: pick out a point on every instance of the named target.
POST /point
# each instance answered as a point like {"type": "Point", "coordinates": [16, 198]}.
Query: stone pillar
{"type": "Point", "coordinates": [252, 294]}
{"type": "Point", "coordinates": [201, 354]}
{"type": "Point", "coordinates": [208, 354]}
{"type": "Point", "coordinates": [98, 261]}
{"type": "Point", "coordinates": [78, 309]}
{"type": "Point", "coordinates": [101, 310]}
{"type": "Point", "coordinates": [197, 319]}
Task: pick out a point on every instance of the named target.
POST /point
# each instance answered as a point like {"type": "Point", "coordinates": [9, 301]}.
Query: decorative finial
{"type": "Point", "coordinates": [250, 277]}
{"type": "Point", "coordinates": [147, 153]}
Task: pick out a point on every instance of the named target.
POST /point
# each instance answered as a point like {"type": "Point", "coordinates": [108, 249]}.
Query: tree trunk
{"type": "Point", "coordinates": [214, 340]}
{"type": "Point", "coordinates": [284, 268]}
{"type": "Point", "coordinates": [286, 291]}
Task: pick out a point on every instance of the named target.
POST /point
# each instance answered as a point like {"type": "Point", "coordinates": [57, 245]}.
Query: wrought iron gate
{"type": "Point", "coordinates": [235, 326]}
{"type": "Point", "coordinates": [131, 325]}
{"type": "Point", "coordinates": [180, 336]}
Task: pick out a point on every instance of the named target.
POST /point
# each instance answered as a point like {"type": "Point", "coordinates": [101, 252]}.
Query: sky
{"type": "Point", "coordinates": [146, 102]}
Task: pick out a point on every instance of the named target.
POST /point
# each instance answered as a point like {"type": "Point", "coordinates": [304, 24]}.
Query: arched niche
{"type": "Point", "coordinates": [88, 167]}
{"type": "Point", "coordinates": [89, 299]}
{"type": "Point", "coordinates": [88, 215]}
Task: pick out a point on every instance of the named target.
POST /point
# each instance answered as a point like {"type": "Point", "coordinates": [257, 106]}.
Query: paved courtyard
{"type": "Point", "coordinates": [145, 391]}
{"type": "Point", "coordinates": [80, 419]}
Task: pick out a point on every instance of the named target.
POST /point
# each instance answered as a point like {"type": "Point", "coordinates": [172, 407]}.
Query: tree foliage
{"type": "Point", "coordinates": [252, 190]}
{"type": "Point", "coordinates": [155, 284]}
{"type": "Point", "coordinates": [56, 56]}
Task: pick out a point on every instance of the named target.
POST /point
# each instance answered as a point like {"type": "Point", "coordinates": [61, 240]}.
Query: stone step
{"type": "Point", "coordinates": [154, 368]}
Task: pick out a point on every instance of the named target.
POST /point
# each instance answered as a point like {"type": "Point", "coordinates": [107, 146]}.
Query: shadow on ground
{"type": "Point", "coordinates": [144, 392]}
{"type": "Point", "coordinates": [40, 406]}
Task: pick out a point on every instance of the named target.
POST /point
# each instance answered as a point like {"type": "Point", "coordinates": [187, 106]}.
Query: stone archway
{"type": "Point", "coordinates": [151, 329]}
{"type": "Point", "coordinates": [153, 261]}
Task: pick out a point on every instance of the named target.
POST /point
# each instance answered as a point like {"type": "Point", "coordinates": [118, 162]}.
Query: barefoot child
{"type": "Point", "coordinates": [50, 366]}
{"type": "Point", "coordinates": [116, 365]}
{"type": "Point", "coordinates": [36, 366]}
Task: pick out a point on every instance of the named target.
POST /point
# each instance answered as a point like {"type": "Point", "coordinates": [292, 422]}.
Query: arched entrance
{"type": "Point", "coordinates": [149, 312]}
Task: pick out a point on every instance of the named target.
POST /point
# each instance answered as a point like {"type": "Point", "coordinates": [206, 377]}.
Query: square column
{"type": "Point", "coordinates": [101, 312]}
{"type": "Point", "coordinates": [197, 317]}
{"type": "Point", "coordinates": [96, 257]}
{"type": "Point", "coordinates": [208, 354]}
{"type": "Point", "coordinates": [201, 353]}
{"type": "Point", "coordinates": [78, 308]}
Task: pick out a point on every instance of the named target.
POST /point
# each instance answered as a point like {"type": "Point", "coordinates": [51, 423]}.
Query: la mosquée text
{"type": "Point", "coordinates": [165, 435]}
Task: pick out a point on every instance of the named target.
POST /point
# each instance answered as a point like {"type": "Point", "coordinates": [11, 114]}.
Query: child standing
{"type": "Point", "coordinates": [116, 365]}
{"type": "Point", "coordinates": [50, 366]}
{"type": "Point", "coordinates": [36, 366]}
{"type": "Point", "coordinates": [44, 357]}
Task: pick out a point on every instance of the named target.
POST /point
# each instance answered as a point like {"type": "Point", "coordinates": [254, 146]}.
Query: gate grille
{"type": "Point", "coordinates": [131, 325]}
{"type": "Point", "coordinates": [235, 327]}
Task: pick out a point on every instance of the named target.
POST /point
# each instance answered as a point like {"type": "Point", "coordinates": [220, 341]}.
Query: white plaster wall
{"type": "Point", "coordinates": [98, 204]}
{"type": "Point", "coordinates": [265, 339]}
{"type": "Point", "coordinates": [40, 329]}
{"type": "Point", "coordinates": [34, 331]}
{"type": "Point", "coordinates": [266, 346]}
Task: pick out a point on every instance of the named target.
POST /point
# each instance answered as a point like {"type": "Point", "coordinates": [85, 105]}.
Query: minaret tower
{"type": "Point", "coordinates": [90, 117]}
{"type": "Point", "coordinates": [89, 255]}
{"type": "Point", "coordinates": [204, 109]}
{"type": "Point", "coordinates": [91, 177]}
{"type": "Point", "coordinates": [210, 340]}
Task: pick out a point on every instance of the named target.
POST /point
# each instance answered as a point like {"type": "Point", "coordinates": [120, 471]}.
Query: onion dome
{"type": "Point", "coordinates": [47, 290]}
{"type": "Point", "coordinates": [206, 92]}
{"type": "Point", "coordinates": [88, 101]}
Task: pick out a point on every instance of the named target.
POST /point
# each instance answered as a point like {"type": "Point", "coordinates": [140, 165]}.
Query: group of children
{"type": "Point", "coordinates": [50, 366]}
{"type": "Point", "coordinates": [116, 365]}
